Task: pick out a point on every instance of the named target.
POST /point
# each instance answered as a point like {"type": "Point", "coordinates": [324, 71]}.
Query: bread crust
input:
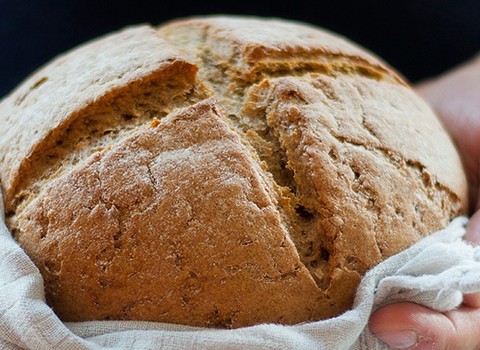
{"type": "Point", "coordinates": [220, 172]}
{"type": "Point", "coordinates": [76, 83]}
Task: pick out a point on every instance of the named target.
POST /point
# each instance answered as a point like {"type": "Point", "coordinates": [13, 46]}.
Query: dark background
{"type": "Point", "coordinates": [419, 38]}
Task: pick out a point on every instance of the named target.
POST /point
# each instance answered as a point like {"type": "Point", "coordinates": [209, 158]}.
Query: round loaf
{"type": "Point", "coordinates": [219, 172]}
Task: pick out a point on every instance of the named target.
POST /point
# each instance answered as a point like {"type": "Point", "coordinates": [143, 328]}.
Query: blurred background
{"type": "Point", "coordinates": [420, 38]}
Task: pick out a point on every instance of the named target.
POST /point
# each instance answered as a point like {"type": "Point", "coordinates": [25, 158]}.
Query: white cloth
{"type": "Point", "coordinates": [434, 272]}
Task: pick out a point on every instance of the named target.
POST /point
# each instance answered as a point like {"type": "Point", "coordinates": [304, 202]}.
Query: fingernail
{"type": "Point", "coordinates": [399, 339]}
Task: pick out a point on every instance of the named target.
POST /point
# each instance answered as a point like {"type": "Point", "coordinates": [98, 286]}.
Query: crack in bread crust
{"type": "Point", "coordinates": [103, 124]}
{"type": "Point", "coordinates": [244, 67]}
{"type": "Point", "coordinates": [223, 171]}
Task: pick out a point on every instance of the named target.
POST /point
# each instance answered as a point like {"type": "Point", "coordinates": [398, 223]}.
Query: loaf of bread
{"type": "Point", "coordinates": [219, 172]}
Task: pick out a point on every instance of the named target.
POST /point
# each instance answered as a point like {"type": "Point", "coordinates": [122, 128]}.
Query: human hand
{"type": "Point", "coordinates": [412, 326]}
{"type": "Point", "coordinates": [456, 98]}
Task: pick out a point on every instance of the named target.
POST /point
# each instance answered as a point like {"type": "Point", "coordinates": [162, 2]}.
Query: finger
{"type": "Point", "coordinates": [472, 300]}
{"type": "Point", "coordinates": [411, 326]}
{"type": "Point", "coordinates": [473, 229]}
{"type": "Point", "coordinates": [466, 321]}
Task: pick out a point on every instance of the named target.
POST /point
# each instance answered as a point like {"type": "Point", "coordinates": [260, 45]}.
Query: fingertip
{"type": "Point", "coordinates": [473, 229]}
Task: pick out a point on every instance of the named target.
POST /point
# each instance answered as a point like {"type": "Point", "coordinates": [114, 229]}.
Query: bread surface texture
{"type": "Point", "coordinates": [219, 172]}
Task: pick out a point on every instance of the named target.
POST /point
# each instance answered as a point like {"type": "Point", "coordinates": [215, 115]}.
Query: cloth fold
{"type": "Point", "coordinates": [435, 272]}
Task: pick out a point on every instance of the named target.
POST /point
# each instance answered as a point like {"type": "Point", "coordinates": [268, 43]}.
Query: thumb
{"type": "Point", "coordinates": [411, 326]}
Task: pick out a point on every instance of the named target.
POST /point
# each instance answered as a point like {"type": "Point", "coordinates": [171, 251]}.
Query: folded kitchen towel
{"type": "Point", "coordinates": [434, 272]}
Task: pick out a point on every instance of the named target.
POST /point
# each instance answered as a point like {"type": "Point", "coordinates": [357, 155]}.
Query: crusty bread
{"type": "Point", "coordinates": [219, 172]}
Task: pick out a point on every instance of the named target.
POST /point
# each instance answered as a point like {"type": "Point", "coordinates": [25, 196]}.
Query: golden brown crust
{"type": "Point", "coordinates": [144, 197]}
{"type": "Point", "coordinates": [362, 198]}
{"type": "Point", "coordinates": [244, 48]}
{"type": "Point", "coordinates": [215, 269]}
{"type": "Point", "coordinates": [103, 70]}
